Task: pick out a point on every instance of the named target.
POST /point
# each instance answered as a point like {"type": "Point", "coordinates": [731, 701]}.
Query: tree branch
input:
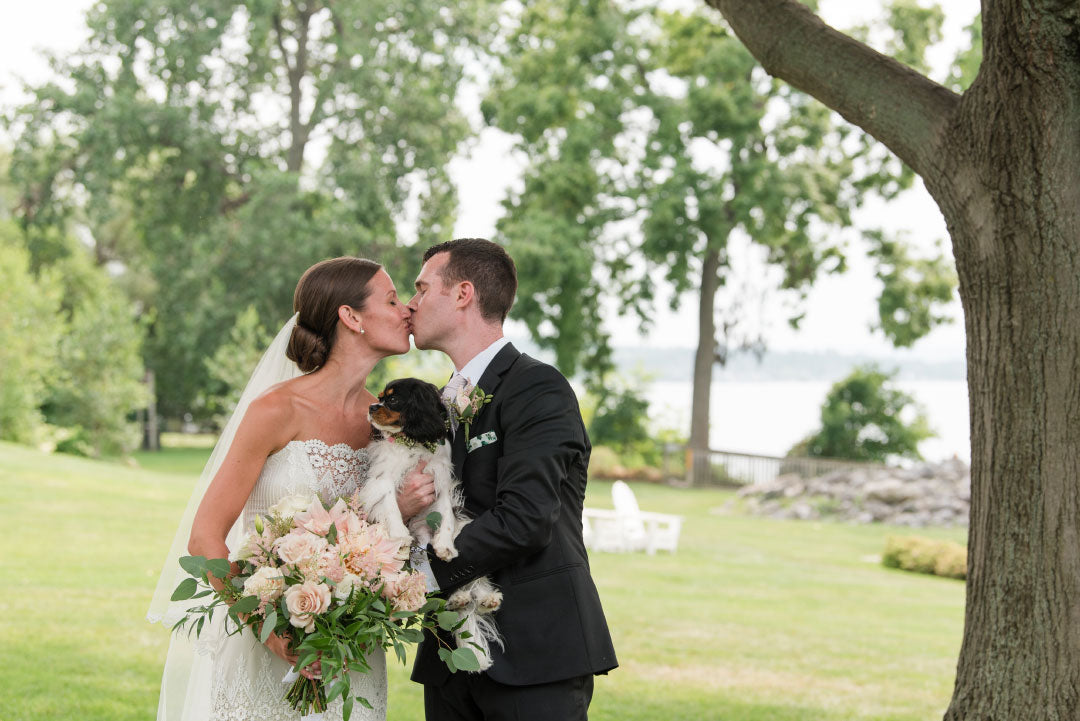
{"type": "Point", "coordinates": [898, 106]}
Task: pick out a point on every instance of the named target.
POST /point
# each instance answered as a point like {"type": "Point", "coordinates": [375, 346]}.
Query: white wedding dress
{"type": "Point", "coordinates": [244, 678]}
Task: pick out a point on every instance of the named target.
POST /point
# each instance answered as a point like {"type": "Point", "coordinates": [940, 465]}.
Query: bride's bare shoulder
{"type": "Point", "coordinates": [273, 414]}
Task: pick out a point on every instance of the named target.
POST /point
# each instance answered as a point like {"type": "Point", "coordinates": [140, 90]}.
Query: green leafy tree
{"type": "Point", "coordinates": [621, 417]}
{"type": "Point", "coordinates": [1000, 161]}
{"type": "Point", "coordinates": [231, 366]}
{"type": "Point", "coordinates": [913, 290]}
{"type": "Point", "coordinates": [30, 328]}
{"type": "Point", "coordinates": [183, 138]}
{"type": "Point", "coordinates": [863, 419]}
{"type": "Point", "coordinates": [97, 386]}
{"type": "Point", "coordinates": [656, 146]}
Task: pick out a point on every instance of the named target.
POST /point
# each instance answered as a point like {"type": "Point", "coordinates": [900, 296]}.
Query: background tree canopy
{"type": "Point", "coordinates": [213, 152]}
{"type": "Point", "coordinates": [659, 149]}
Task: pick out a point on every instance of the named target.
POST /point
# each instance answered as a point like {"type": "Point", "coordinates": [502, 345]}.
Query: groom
{"type": "Point", "coordinates": [523, 471]}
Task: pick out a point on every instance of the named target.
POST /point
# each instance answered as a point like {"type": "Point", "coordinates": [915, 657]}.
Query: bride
{"type": "Point", "coordinates": [300, 427]}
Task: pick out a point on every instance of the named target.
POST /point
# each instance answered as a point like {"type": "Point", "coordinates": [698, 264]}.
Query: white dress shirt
{"type": "Point", "coordinates": [474, 369]}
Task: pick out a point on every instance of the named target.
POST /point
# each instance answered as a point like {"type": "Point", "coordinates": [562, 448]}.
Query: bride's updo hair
{"type": "Point", "coordinates": [325, 287]}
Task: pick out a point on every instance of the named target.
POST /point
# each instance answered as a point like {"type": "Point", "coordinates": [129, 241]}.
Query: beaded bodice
{"type": "Point", "coordinates": [310, 466]}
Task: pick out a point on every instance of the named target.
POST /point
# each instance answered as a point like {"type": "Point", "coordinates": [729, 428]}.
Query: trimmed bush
{"type": "Point", "coordinates": [925, 555]}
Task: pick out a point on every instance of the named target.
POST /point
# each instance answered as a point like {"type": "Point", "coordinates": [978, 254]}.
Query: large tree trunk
{"type": "Point", "coordinates": [1011, 197]}
{"type": "Point", "coordinates": [1003, 163]}
{"type": "Point", "coordinates": [699, 469]}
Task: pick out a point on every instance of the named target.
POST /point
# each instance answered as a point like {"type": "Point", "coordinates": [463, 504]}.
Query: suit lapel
{"type": "Point", "coordinates": [493, 375]}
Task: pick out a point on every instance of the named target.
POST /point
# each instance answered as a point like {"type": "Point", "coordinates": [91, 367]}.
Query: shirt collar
{"type": "Point", "coordinates": [474, 369]}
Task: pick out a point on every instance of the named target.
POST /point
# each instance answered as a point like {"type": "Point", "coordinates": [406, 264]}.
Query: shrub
{"type": "Point", "coordinates": [862, 420]}
{"type": "Point", "coordinates": [925, 555]}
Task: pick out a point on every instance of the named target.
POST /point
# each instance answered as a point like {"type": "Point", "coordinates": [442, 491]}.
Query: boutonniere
{"type": "Point", "coordinates": [467, 405]}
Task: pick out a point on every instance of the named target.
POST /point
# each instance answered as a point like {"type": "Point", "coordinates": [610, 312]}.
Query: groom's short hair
{"type": "Point", "coordinates": [487, 266]}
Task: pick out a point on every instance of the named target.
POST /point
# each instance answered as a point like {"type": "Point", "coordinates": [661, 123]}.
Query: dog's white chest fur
{"type": "Point", "coordinates": [390, 463]}
{"type": "Point", "coordinates": [386, 456]}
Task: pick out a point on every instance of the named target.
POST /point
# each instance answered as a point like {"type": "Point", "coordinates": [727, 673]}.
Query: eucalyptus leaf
{"type": "Point", "coordinates": [268, 626]}
{"type": "Point", "coordinates": [447, 658]}
{"type": "Point", "coordinates": [447, 620]}
{"type": "Point", "coordinates": [465, 659]}
{"type": "Point", "coordinates": [247, 604]}
{"type": "Point", "coordinates": [336, 689]}
{"type": "Point", "coordinates": [195, 565]}
{"type": "Point", "coordinates": [219, 567]}
{"type": "Point", "coordinates": [185, 590]}
{"type": "Point", "coordinates": [433, 520]}
{"type": "Point", "coordinates": [346, 708]}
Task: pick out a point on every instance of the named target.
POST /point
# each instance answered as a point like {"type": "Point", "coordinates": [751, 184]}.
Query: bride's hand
{"type": "Point", "coordinates": [417, 492]}
{"type": "Point", "coordinates": [279, 646]}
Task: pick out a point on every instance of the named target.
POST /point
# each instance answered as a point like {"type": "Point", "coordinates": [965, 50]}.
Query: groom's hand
{"type": "Point", "coordinates": [417, 492]}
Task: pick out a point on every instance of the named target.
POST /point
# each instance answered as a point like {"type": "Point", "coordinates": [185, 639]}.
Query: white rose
{"type": "Point", "coordinates": [244, 551]}
{"type": "Point", "coordinates": [305, 601]}
{"type": "Point", "coordinates": [266, 583]}
{"type": "Point", "coordinates": [299, 547]}
{"type": "Point", "coordinates": [346, 585]}
{"type": "Point", "coordinates": [289, 506]}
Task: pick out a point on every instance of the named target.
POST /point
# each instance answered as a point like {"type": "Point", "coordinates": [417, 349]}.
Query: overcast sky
{"type": "Point", "coordinates": [839, 310]}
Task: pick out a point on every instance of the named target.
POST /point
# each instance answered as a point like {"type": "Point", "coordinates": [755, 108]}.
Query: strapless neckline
{"type": "Point", "coordinates": [321, 445]}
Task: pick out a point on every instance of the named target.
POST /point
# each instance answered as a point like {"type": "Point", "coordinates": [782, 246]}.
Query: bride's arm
{"type": "Point", "coordinates": [266, 428]}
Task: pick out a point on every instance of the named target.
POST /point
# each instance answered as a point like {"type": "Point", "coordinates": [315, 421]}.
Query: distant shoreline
{"type": "Point", "coordinates": [677, 364]}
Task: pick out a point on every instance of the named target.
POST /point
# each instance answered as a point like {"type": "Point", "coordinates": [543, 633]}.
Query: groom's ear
{"type": "Point", "coordinates": [466, 292]}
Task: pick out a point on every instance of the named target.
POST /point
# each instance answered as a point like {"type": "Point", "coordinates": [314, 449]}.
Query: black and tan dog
{"type": "Point", "coordinates": [412, 426]}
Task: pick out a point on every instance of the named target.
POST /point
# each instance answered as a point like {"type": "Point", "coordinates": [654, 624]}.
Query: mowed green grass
{"type": "Point", "coordinates": [752, 619]}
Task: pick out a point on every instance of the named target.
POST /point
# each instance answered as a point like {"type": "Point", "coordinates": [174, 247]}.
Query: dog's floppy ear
{"type": "Point", "coordinates": [425, 417]}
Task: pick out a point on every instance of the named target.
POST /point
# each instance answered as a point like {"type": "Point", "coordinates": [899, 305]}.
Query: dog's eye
{"type": "Point", "coordinates": [390, 401]}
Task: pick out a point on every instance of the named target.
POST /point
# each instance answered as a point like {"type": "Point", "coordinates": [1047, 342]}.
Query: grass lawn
{"type": "Point", "coordinates": [752, 620]}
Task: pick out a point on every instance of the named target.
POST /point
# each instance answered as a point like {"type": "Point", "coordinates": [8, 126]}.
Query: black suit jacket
{"type": "Point", "coordinates": [525, 493]}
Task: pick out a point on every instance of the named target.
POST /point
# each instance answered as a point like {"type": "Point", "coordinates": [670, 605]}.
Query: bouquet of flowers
{"type": "Point", "coordinates": [333, 582]}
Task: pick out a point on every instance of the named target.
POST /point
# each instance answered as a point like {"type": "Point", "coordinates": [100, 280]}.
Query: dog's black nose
{"type": "Point", "coordinates": [374, 407]}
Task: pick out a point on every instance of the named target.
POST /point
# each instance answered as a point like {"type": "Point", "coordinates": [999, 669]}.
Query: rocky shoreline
{"type": "Point", "coordinates": [928, 494]}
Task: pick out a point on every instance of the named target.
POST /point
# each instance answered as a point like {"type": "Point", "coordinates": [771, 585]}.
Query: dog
{"type": "Point", "coordinates": [412, 425]}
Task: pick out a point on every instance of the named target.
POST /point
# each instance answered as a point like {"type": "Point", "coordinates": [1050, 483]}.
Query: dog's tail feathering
{"type": "Point", "coordinates": [483, 636]}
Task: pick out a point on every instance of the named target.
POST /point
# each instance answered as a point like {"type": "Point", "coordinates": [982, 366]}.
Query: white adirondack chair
{"type": "Point", "coordinates": [627, 527]}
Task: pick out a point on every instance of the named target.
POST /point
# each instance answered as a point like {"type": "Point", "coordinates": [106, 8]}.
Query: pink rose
{"type": "Point", "coordinates": [300, 546]}
{"type": "Point", "coordinates": [306, 601]}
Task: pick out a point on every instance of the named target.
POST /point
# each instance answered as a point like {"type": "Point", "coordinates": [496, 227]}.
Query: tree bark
{"type": "Point", "coordinates": [887, 99]}
{"type": "Point", "coordinates": [296, 70]}
{"type": "Point", "coordinates": [700, 470]}
{"type": "Point", "coordinates": [1003, 163]}
{"type": "Point", "coordinates": [151, 432]}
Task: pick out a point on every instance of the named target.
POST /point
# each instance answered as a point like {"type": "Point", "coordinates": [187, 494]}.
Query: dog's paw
{"type": "Point", "coordinates": [445, 551]}
{"type": "Point", "coordinates": [489, 602]}
{"type": "Point", "coordinates": [458, 600]}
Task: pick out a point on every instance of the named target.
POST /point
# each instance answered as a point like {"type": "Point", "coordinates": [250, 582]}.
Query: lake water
{"type": "Point", "coordinates": [768, 417]}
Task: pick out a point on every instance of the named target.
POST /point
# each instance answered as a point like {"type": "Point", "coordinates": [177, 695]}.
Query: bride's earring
{"type": "Point", "coordinates": [361, 330]}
